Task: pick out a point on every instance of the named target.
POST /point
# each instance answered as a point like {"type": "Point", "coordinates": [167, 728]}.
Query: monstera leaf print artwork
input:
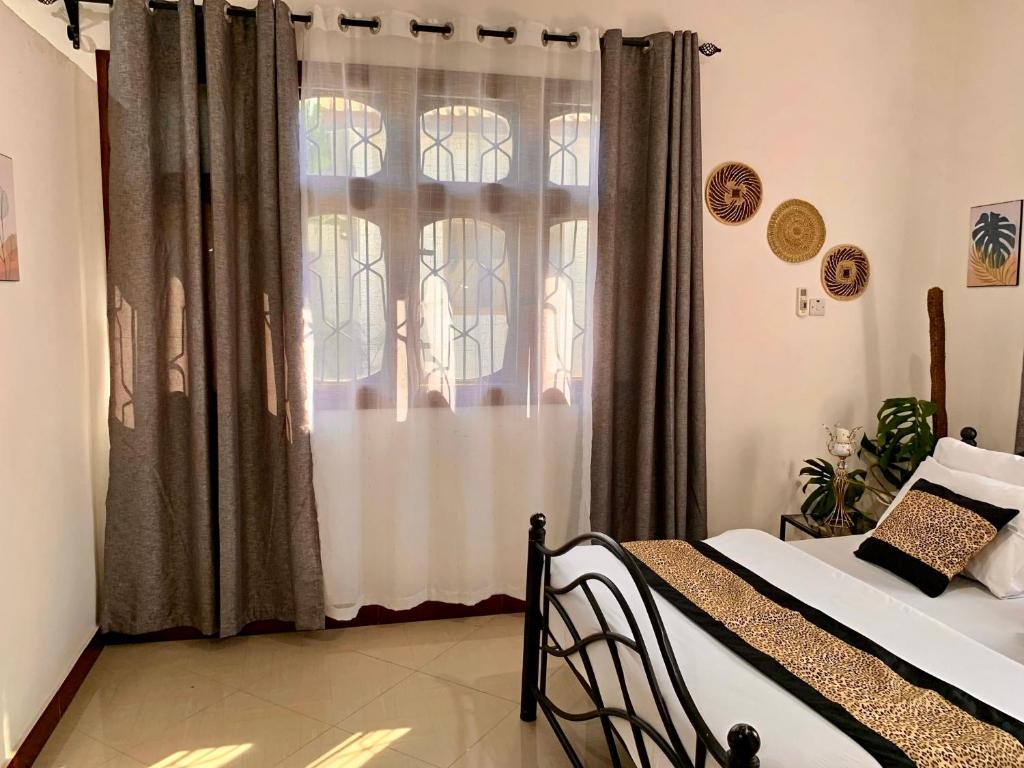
{"type": "Point", "coordinates": [994, 251]}
{"type": "Point", "coordinates": [994, 236]}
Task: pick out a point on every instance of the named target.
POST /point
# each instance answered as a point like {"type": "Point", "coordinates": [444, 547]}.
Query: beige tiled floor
{"type": "Point", "coordinates": [441, 693]}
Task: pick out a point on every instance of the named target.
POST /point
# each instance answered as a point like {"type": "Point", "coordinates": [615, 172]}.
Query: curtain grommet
{"type": "Point", "coordinates": [149, 7]}
{"type": "Point", "coordinates": [446, 30]}
{"type": "Point", "coordinates": [345, 24]}
{"type": "Point", "coordinates": [509, 36]}
{"type": "Point", "coordinates": [572, 40]}
{"type": "Point", "coordinates": [227, 14]}
{"type": "Point", "coordinates": [648, 47]}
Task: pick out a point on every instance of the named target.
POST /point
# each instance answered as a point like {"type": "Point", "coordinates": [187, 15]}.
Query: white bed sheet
{"type": "Point", "coordinates": [728, 690]}
{"type": "Point", "coordinates": [965, 606]}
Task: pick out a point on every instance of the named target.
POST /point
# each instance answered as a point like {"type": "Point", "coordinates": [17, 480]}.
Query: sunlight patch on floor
{"type": "Point", "coordinates": [206, 757]}
{"type": "Point", "coordinates": [359, 749]}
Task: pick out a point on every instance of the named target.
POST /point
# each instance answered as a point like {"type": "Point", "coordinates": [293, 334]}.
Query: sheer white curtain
{"type": "Point", "coordinates": [450, 222]}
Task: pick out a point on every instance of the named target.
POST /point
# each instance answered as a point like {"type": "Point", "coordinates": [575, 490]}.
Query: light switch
{"type": "Point", "coordinates": [817, 307]}
{"type": "Point", "coordinates": [801, 302]}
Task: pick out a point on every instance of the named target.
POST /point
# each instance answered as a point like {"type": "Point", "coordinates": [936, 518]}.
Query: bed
{"type": "Point", "coordinates": [665, 689]}
{"type": "Point", "coordinates": [966, 606]}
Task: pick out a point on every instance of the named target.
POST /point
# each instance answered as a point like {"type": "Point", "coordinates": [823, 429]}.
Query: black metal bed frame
{"type": "Point", "coordinates": [743, 741]}
{"type": "Point", "coordinates": [539, 644]}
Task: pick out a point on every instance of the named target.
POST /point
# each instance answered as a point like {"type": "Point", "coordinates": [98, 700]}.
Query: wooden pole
{"type": "Point", "coordinates": [937, 340]}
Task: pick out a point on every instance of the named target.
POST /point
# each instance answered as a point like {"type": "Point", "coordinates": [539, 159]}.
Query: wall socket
{"type": "Point", "coordinates": [805, 305]}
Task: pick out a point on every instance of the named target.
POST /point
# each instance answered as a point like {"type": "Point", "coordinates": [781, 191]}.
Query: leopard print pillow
{"type": "Point", "coordinates": [932, 534]}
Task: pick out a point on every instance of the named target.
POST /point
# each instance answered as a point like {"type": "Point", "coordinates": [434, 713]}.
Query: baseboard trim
{"type": "Point", "coordinates": [368, 615]}
{"type": "Point", "coordinates": [36, 739]}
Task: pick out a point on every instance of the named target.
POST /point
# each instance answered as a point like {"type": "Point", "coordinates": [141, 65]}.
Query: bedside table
{"type": "Point", "coordinates": [814, 529]}
{"type": "Point", "coordinates": [802, 523]}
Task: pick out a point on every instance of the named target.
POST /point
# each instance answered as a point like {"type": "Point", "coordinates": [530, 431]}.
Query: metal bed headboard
{"type": "Point", "coordinates": [538, 644]}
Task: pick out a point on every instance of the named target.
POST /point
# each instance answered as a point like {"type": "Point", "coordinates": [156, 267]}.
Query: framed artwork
{"type": "Point", "coordinates": [994, 252]}
{"type": "Point", "coordinates": [8, 227]}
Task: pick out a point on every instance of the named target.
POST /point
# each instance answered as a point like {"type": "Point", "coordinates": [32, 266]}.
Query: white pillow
{"type": "Point", "coordinates": [1000, 565]}
{"type": "Point", "coordinates": [956, 454]}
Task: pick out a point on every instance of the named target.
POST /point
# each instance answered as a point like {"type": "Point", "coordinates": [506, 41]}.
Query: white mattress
{"type": "Point", "coordinates": [965, 606]}
{"type": "Point", "coordinates": [727, 690]}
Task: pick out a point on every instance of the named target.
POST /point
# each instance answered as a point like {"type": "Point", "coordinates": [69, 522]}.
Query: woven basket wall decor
{"type": "Point", "coordinates": [796, 231]}
{"type": "Point", "coordinates": [845, 272]}
{"type": "Point", "coordinates": [733, 193]}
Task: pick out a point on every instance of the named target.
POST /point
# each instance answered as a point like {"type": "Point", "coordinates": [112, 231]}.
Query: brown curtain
{"type": "Point", "coordinates": [648, 462]}
{"type": "Point", "coordinates": [211, 521]}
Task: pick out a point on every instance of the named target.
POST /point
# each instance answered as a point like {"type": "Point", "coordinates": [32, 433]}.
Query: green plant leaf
{"type": "Point", "coordinates": [994, 236]}
{"type": "Point", "coordinates": [904, 438]}
{"type": "Point", "coordinates": [868, 445]}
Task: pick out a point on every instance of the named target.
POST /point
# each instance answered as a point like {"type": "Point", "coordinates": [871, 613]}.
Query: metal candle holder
{"type": "Point", "coordinates": [842, 443]}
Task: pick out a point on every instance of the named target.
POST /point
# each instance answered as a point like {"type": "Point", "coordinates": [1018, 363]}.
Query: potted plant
{"type": "Point", "coordinates": [903, 440]}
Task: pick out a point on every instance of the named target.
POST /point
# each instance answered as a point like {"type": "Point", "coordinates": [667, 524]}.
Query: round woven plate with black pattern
{"type": "Point", "coordinates": [845, 272]}
{"type": "Point", "coordinates": [733, 192]}
{"type": "Point", "coordinates": [796, 231]}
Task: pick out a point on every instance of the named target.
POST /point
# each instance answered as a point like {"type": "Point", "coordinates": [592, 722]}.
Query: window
{"type": "Point", "coordinates": [465, 143]}
{"type": "Point", "coordinates": [446, 238]}
{"type": "Point", "coordinates": [347, 295]}
{"type": "Point", "coordinates": [344, 137]}
{"type": "Point", "coordinates": [565, 291]}
{"type": "Point", "coordinates": [464, 307]}
{"type": "Point", "coordinates": [569, 149]}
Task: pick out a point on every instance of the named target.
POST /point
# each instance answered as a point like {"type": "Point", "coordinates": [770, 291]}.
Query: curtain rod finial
{"type": "Point", "coordinates": [74, 28]}
{"type": "Point", "coordinates": [709, 49]}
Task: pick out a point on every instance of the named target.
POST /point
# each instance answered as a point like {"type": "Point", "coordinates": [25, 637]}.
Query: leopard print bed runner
{"type": "Point", "coordinates": [901, 715]}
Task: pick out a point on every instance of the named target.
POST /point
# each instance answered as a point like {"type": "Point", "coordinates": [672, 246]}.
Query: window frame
{"type": "Point", "coordinates": [386, 199]}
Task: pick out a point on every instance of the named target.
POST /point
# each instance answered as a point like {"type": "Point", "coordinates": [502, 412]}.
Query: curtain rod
{"type": "Point", "coordinates": [446, 30]}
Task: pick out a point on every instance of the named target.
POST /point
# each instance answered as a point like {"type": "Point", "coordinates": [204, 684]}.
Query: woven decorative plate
{"type": "Point", "coordinates": [733, 193]}
{"type": "Point", "coordinates": [845, 272]}
{"type": "Point", "coordinates": [796, 231]}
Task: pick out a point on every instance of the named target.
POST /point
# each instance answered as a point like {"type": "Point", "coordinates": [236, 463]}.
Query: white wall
{"type": "Point", "coordinates": [50, 324]}
{"type": "Point", "coordinates": [983, 163]}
